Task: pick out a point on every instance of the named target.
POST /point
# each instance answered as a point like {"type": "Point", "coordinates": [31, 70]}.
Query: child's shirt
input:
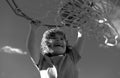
{"type": "Point", "coordinates": [64, 66]}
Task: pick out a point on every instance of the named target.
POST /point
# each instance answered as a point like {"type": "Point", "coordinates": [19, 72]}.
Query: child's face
{"type": "Point", "coordinates": [57, 44]}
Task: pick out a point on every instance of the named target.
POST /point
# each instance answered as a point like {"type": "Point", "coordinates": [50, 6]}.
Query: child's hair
{"type": "Point", "coordinates": [47, 35]}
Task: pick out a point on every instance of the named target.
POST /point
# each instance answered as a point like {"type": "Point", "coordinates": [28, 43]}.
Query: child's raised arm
{"type": "Point", "coordinates": [79, 42]}
{"type": "Point", "coordinates": [33, 43]}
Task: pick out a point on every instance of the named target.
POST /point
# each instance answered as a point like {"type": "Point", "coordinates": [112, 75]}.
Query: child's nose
{"type": "Point", "coordinates": [59, 39]}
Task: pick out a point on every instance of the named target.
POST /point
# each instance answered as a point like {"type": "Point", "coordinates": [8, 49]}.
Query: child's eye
{"type": "Point", "coordinates": [53, 38]}
{"type": "Point", "coordinates": [62, 38]}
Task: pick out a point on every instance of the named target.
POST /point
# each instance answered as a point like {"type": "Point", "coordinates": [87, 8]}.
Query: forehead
{"type": "Point", "coordinates": [56, 34]}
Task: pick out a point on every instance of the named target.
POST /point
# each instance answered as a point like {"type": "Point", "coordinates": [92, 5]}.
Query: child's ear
{"type": "Point", "coordinates": [48, 44]}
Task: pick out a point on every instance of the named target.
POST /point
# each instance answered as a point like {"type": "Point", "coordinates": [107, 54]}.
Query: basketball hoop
{"type": "Point", "coordinates": [20, 13]}
{"type": "Point", "coordinates": [91, 16]}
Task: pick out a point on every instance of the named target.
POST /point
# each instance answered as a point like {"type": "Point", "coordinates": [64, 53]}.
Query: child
{"type": "Point", "coordinates": [58, 59]}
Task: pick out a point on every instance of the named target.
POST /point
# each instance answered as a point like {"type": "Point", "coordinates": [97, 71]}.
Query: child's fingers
{"type": "Point", "coordinates": [36, 22]}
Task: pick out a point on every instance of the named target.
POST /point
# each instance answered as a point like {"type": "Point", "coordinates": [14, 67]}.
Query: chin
{"type": "Point", "coordinates": [60, 51]}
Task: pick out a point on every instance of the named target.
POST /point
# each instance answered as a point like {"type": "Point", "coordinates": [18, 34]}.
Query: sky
{"type": "Point", "coordinates": [96, 61]}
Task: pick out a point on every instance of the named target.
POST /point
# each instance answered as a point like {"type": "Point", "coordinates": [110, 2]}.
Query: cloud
{"type": "Point", "coordinates": [11, 50]}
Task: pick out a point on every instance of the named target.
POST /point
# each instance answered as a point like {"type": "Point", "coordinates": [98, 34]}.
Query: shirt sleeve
{"type": "Point", "coordinates": [75, 56]}
{"type": "Point", "coordinates": [40, 61]}
{"type": "Point", "coordinates": [44, 62]}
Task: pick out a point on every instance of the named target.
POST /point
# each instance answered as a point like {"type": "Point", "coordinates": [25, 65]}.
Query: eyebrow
{"type": "Point", "coordinates": [62, 36]}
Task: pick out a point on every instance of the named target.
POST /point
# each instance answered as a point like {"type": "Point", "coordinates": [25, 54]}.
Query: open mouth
{"type": "Point", "coordinates": [58, 45]}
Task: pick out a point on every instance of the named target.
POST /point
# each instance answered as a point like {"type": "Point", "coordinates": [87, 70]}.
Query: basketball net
{"type": "Point", "coordinates": [91, 16]}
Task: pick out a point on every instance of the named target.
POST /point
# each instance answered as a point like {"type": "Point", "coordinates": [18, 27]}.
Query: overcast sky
{"type": "Point", "coordinates": [96, 62]}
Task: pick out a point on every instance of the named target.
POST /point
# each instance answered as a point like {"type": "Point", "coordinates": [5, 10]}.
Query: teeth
{"type": "Point", "coordinates": [58, 45]}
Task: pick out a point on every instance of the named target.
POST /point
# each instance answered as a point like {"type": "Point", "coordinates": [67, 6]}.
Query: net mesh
{"type": "Point", "coordinates": [91, 16]}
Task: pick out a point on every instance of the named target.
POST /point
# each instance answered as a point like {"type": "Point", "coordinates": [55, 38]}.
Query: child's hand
{"type": "Point", "coordinates": [35, 24]}
{"type": "Point", "coordinates": [79, 32]}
